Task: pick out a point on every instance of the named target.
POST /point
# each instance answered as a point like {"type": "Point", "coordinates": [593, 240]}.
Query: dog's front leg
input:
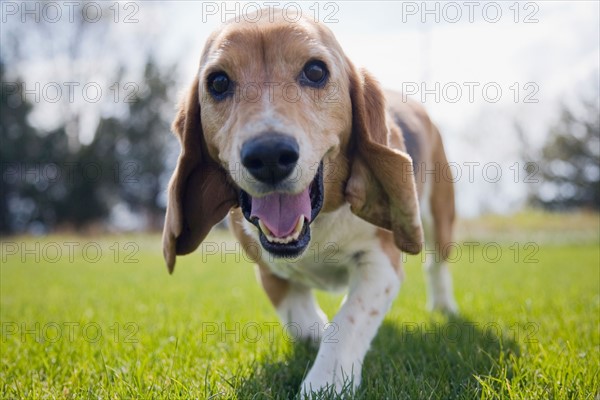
{"type": "Point", "coordinates": [296, 306]}
{"type": "Point", "coordinates": [373, 285]}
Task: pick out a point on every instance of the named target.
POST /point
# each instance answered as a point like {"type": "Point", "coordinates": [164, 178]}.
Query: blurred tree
{"type": "Point", "coordinates": [17, 137]}
{"type": "Point", "coordinates": [142, 143]}
{"type": "Point", "coordinates": [44, 183]}
{"type": "Point", "coordinates": [47, 183]}
{"type": "Point", "coordinates": [569, 163]}
{"type": "Point", "coordinates": [109, 151]}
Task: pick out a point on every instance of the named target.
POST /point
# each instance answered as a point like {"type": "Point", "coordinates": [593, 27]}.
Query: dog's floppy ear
{"type": "Point", "coordinates": [199, 193]}
{"type": "Point", "coordinates": [381, 188]}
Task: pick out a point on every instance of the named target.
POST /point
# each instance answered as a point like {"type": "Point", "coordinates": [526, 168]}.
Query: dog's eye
{"type": "Point", "coordinates": [314, 73]}
{"type": "Point", "coordinates": [218, 84]}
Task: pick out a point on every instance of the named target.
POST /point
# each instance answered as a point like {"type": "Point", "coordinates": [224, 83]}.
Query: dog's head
{"type": "Point", "coordinates": [280, 123]}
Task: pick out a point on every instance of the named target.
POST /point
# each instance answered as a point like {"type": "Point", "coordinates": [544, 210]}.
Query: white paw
{"type": "Point", "coordinates": [443, 303]}
{"type": "Point", "coordinates": [301, 317]}
{"type": "Point", "coordinates": [311, 333]}
{"type": "Point", "coordinates": [335, 378]}
{"type": "Point", "coordinates": [440, 294]}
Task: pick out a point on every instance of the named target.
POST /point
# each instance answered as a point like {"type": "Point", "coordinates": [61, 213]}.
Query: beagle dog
{"type": "Point", "coordinates": [321, 173]}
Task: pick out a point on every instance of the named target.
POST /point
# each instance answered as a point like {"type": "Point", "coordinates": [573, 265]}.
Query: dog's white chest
{"type": "Point", "coordinates": [338, 240]}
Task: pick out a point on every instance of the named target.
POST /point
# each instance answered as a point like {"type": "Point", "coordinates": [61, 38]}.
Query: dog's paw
{"type": "Point", "coordinates": [305, 333]}
{"type": "Point", "coordinates": [444, 304]}
{"type": "Point", "coordinates": [328, 380]}
{"type": "Point", "coordinates": [440, 294]}
{"type": "Point", "coordinates": [302, 324]}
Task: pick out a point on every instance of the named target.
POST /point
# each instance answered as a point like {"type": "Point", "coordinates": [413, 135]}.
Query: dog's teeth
{"type": "Point", "coordinates": [264, 229]}
{"type": "Point", "coordinates": [292, 237]}
{"type": "Point", "coordinates": [298, 228]}
{"type": "Point", "coordinates": [299, 224]}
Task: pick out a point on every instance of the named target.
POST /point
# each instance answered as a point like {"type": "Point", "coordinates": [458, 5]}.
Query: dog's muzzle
{"type": "Point", "coordinates": [283, 219]}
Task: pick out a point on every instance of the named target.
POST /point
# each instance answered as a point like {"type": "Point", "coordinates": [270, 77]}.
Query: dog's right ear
{"type": "Point", "coordinates": [199, 193]}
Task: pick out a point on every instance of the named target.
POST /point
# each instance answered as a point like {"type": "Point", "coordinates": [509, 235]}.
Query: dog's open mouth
{"type": "Point", "coordinates": [283, 220]}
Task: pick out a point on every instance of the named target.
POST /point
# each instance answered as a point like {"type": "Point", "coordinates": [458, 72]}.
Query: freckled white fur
{"type": "Point", "coordinates": [373, 286]}
{"type": "Point", "coordinates": [372, 281]}
{"type": "Point", "coordinates": [328, 264]}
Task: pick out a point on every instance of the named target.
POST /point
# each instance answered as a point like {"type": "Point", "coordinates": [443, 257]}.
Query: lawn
{"type": "Point", "coordinates": [101, 318]}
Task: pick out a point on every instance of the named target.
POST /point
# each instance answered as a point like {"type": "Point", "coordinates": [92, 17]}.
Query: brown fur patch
{"type": "Point", "coordinates": [275, 287]}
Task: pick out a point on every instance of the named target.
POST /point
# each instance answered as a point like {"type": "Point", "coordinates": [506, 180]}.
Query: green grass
{"type": "Point", "coordinates": [77, 328]}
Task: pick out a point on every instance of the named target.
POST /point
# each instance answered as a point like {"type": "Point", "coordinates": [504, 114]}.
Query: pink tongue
{"type": "Point", "coordinates": [280, 212]}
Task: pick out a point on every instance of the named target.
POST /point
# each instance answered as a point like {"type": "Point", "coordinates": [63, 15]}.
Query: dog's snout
{"type": "Point", "coordinates": [270, 158]}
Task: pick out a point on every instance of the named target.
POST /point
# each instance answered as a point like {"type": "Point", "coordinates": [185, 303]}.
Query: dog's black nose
{"type": "Point", "coordinates": [270, 158]}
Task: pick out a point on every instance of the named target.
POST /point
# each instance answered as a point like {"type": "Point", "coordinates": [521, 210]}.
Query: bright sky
{"type": "Point", "coordinates": [553, 45]}
{"type": "Point", "coordinates": [536, 53]}
{"type": "Point", "coordinates": [484, 60]}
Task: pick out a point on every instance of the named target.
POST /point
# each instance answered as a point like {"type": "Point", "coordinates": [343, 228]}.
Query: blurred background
{"type": "Point", "coordinates": [89, 90]}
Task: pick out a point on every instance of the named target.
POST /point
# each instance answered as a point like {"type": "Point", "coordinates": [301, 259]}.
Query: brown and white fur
{"type": "Point", "coordinates": [370, 210]}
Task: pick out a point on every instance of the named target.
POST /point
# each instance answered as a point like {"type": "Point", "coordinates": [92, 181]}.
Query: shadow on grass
{"type": "Point", "coordinates": [279, 379]}
{"type": "Point", "coordinates": [439, 359]}
{"type": "Point", "coordinates": [436, 359]}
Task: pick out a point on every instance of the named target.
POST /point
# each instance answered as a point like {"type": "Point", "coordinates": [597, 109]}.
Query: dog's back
{"type": "Point", "coordinates": [433, 178]}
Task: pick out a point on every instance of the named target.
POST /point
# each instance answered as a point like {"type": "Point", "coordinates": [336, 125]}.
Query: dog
{"type": "Point", "coordinates": [304, 150]}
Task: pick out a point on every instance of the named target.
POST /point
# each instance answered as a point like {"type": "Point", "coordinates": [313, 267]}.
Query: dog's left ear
{"type": "Point", "coordinates": [381, 188]}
